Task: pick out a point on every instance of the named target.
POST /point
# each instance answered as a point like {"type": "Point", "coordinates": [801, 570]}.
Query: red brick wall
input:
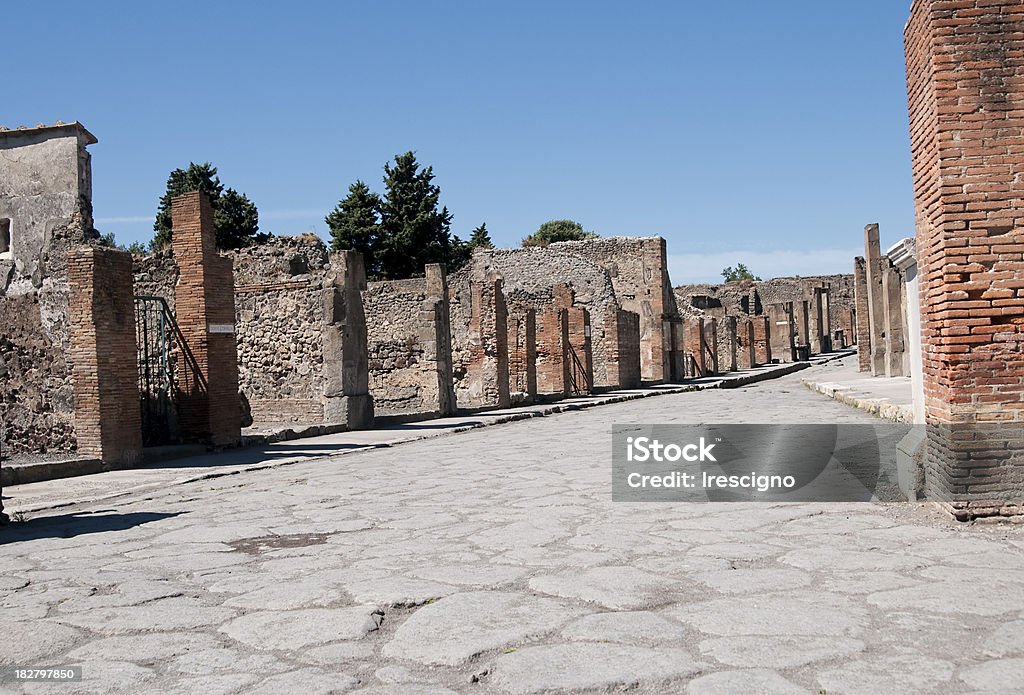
{"type": "Point", "coordinates": [966, 103]}
{"type": "Point", "coordinates": [762, 339]}
{"type": "Point", "coordinates": [580, 342]}
{"type": "Point", "coordinates": [104, 370]}
{"type": "Point", "coordinates": [522, 353]}
{"type": "Point", "coordinates": [205, 299]}
{"type": "Point", "coordinates": [693, 337]}
{"type": "Point", "coordinates": [746, 354]}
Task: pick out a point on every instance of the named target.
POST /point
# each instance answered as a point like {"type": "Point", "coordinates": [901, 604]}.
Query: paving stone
{"type": "Point", "coordinates": [628, 627]}
{"type": "Point", "coordinates": [887, 674]}
{"type": "Point", "coordinates": [165, 615]}
{"type": "Point", "coordinates": [302, 628]}
{"type": "Point", "coordinates": [397, 591]}
{"type": "Point", "coordinates": [618, 588]}
{"type": "Point", "coordinates": [758, 681]}
{"type": "Point", "coordinates": [287, 595]}
{"type": "Point", "coordinates": [831, 559]}
{"type": "Point", "coordinates": [461, 626]}
{"type": "Point", "coordinates": [565, 667]}
{"type": "Point", "coordinates": [30, 642]}
{"type": "Point", "coordinates": [471, 575]}
{"type": "Point", "coordinates": [988, 597]}
{"type": "Point", "coordinates": [128, 594]}
{"type": "Point", "coordinates": [209, 661]}
{"type": "Point", "coordinates": [797, 613]}
{"type": "Point", "coordinates": [779, 651]}
{"type": "Point", "coordinates": [405, 689]}
{"type": "Point", "coordinates": [145, 649]}
{"type": "Point", "coordinates": [9, 583]}
{"type": "Point", "coordinates": [999, 676]}
{"type": "Point", "coordinates": [746, 581]}
{"type": "Point", "coordinates": [333, 654]}
{"type": "Point", "coordinates": [1007, 639]}
{"type": "Point", "coordinates": [308, 681]}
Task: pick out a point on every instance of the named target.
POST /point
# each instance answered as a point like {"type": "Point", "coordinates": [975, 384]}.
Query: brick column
{"type": "Point", "coordinates": [862, 325]}
{"type": "Point", "coordinates": [746, 345]}
{"type": "Point", "coordinates": [488, 329]}
{"type": "Point", "coordinates": [522, 353]}
{"type": "Point", "coordinates": [727, 344]}
{"type": "Point", "coordinates": [622, 342]}
{"type": "Point", "coordinates": [826, 319]}
{"type": "Point", "coordinates": [693, 331]}
{"type": "Point", "coordinates": [438, 336]}
{"type": "Point", "coordinates": [762, 339]}
{"type": "Point", "coordinates": [104, 361]}
{"type": "Point", "coordinates": [346, 361]}
{"type": "Point", "coordinates": [553, 351]}
{"type": "Point", "coordinates": [965, 98]}
{"type": "Point", "coordinates": [711, 345]}
{"type": "Point", "coordinates": [204, 304]}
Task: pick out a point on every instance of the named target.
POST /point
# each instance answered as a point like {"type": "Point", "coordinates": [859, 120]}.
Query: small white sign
{"type": "Point", "coordinates": [222, 328]}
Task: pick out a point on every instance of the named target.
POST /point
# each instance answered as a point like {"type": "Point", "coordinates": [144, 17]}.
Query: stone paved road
{"type": "Point", "coordinates": [494, 561]}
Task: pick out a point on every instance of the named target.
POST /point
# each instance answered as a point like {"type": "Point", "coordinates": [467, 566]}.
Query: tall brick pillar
{"type": "Point", "coordinates": [747, 354]}
{"type": "Point", "coordinates": [762, 339]}
{"type": "Point", "coordinates": [204, 305]}
{"type": "Point", "coordinates": [582, 368]}
{"type": "Point", "coordinates": [522, 353]}
{"type": "Point", "coordinates": [438, 336]}
{"type": "Point", "coordinates": [826, 319]}
{"type": "Point", "coordinates": [693, 332]}
{"type": "Point", "coordinates": [622, 342]}
{"type": "Point", "coordinates": [711, 345]}
{"type": "Point", "coordinates": [965, 98]}
{"type": "Point", "coordinates": [488, 330]}
{"type": "Point", "coordinates": [862, 325]}
{"type": "Point", "coordinates": [346, 361]}
{"type": "Point", "coordinates": [727, 349]}
{"type": "Point", "coordinates": [104, 362]}
{"type": "Point", "coordinates": [804, 322]}
{"type": "Point", "coordinates": [553, 351]}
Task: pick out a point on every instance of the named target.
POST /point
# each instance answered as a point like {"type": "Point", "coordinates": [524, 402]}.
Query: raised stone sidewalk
{"type": "Point", "coordinates": [890, 398]}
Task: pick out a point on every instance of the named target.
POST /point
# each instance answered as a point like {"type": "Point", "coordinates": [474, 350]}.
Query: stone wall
{"type": "Point", "coordinates": [279, 319]}
{"type": "Point", "coordinates": [407, 335]}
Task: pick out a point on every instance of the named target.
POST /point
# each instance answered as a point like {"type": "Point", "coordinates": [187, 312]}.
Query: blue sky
{"type": "Point", "coordinates": [755, 132]}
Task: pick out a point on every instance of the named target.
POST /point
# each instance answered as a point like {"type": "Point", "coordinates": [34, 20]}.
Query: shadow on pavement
{"type": "Point", "coordinates": [71, 525]}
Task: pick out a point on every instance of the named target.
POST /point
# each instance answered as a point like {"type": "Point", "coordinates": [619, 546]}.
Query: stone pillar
{"type": "Point", "coordinates": [815, 314]}
{"type": "Point", "coordinates": [781, 317]}
{"type": "Point", "coordinates": [553, 352]}
{"type": "Point", "coordinates": [747, 357]}
{"type": "Point", "coordinates": [762, 339]}
{"type": "Point", "coordinates": [862, 325]}
{"type": "Point", "coordinates": [204, 305]}
{"type": "Point", "coordinates": [655, 325]}
{"type": "Point", "coordinates": [522, 354]}
{"type": "Point", "coordinates": [675, 335]}
{"type": "Point", "coordinates": [346, 364]}
{"type": "Point", "coordinates": [965, 97]}
{"type": "Point", "coordinates": [875, 267]}
{"type": "Point", "coordinates": [727, 349]}
{"type": "Point", "coordinates": [488, 336]}
{"type": "Point", "coordinates": [622, 341]}
{"type": "Point", "coordinates": [437, 335]}
{"type": "Point", "coordinates": [803, 311]}
{"type": "Point", "coordinates": [104, 361]}
{"type": "Point", "coordinates": [826, 319]}
{"type": "Point", "coordinates": [893, 307]}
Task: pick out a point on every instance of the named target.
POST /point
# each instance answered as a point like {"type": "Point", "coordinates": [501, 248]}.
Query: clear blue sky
{"type": "Point", "coordinates": [767, 133]}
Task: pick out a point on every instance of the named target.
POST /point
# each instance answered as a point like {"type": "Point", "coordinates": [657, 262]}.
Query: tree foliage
{"type": "Point", "coordinates": [740, 272]}
{"type": "Point", "coordinates": [558, 230]}
{"type": "Point", "coordinates": [236, 219]}
{"type": "Point", "coordinates": [480, 238]}
{"type": "Point", "coordinates": [403, 230]}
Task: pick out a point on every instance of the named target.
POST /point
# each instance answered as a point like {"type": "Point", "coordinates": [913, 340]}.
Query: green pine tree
{"type": "Point", "coordinates": [355, 224]}
{"type": "Point", "coordinates": [236, 219]}
{"type": "Point", "coordinates": [480, 238]}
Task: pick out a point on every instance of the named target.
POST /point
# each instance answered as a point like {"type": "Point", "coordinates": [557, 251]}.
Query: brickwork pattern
{"type": "Point", "coordinates": [108, 419]}
{"type": "Point", "coordinates": [966, 97]}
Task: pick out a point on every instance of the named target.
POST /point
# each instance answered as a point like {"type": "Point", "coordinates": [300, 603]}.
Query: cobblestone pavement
{"type": "Point", "coordinates": [494, 561]}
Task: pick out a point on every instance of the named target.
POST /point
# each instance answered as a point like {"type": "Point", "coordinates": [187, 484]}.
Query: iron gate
{"type": "Point", "coordinates": [166, 367]}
